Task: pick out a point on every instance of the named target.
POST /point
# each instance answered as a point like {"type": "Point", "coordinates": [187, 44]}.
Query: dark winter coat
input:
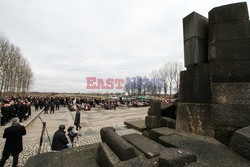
{"type": "Point", "coordinates": [60, 140]}
{"type": "Point", "coordinates": [77, 118]}
{"type": "Point", "coordinates": [14, 140]}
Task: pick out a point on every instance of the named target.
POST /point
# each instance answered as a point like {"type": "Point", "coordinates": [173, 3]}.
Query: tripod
{"type": "Point", "coordinates": [41, 138]}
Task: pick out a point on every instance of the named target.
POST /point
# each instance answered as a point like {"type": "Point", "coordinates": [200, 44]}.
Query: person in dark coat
{"type": "Point", "coordinates": [14, 142]}
{"type": "Point", "coordinates": [60, 140]}
{"type": "Point", "coordinates": [22, 111]}
{"type": "Point", "coordinates": [57, 104]}
{"type": "Point", "coordinates": [77, 119]}
{"type": "Point", "coordinates": [52, 107]}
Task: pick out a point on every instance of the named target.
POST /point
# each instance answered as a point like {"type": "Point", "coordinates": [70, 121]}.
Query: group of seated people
{"type": "Point", "coordinates": [60, 140]}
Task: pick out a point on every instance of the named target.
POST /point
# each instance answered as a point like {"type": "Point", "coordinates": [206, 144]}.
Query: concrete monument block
{"type": "Point", "coordinates": [225, 115]}
{"type": "Point", "coordinates": [240, 142]}
{"type": "Point", "coordinates": [230, 50]}
{"type": "Point", "coordinates": [195, 51]}
{"type": "Point", "coordinates": [234, 71]}
{"type": "Point", "coordinates": [231, 93]}
{"type": "Point", "coordinates": [231, 12]}
{"type": "Point", "coordinates": [152, 122]}
{"type": "Point", "coordinates": [195, 85]}
{"type": "Point", "coordinates": [118, 145]}
{"type": "Point", "coordinates": [195, 25]}
{"type": "Point", "coordinates": [176, 157]}
{"type": "Point", "coordinates": [195, 118]}
{"type": "Point", "coordinates": [195, 32]}
{"type": "Point", "coordinates": [234, 30]}
{"type": "Point", "coordinates": [155, 108]}
{"type": "Point", "coordinates": [105, 156]}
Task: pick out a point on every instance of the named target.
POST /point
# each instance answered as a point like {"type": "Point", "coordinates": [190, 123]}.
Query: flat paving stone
{"type": "Point", "coordinates": [136, 124]}
{"type": "Point", "coordinates": [149, 147]}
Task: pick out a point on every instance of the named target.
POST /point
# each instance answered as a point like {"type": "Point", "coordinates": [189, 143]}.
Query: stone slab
{"type": "Point", "coordinates": [176, 157]}
{"type": "Point", "coordinates": [195, 51]}
{"type": "Point", "coordinates": [231, 93]}
{"type": "Point", "coordinates": [233, 71]}
{"type": "Point", "coordinates": [118, 145]}
{"type": "Point", "coordinates": [234, 30]}
{"type": "Point", "coordinates": [240, 142]}
{"type": "Point", "coordinates": [152, 122]}
{"type": "Point", "coordinates": [136, 124]}
{"type": "Point", "coordinates": [231, 12]}
{"type": "Point", "coordinates": [195, 118]}
{"type": "Point", "coordinates": [148, 147]}
{"type": "Point", "coordinates": [168, 122]}
{"type": "Point", "coordinates": [195, 25]}
{"type": "Point", "coordinates": [105, 156]}
{"type": "Point", "coordinates": [233, 50]}
{"type": "Point", "coordinates": [208, 150]}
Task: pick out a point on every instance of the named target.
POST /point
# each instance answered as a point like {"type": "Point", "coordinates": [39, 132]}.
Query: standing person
{"type": "Point", "coordinates": [60, 140]}
{"type": "Point", "coordinates": [46, 107]}
{"type": "Point", "coordinates": [57, 104]}
{"type": "Point", "coordinates": [36, 105]}
{"type": "Point", "coordinates": [14, 142]}
{"type": "Point", "coordinates": [52, 107]}
{"type": "Point", "coordinates": [77, 119]}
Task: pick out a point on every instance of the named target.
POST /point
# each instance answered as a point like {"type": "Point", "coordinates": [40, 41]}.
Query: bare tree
{"type": "Point", "coordinates": [15, 72]}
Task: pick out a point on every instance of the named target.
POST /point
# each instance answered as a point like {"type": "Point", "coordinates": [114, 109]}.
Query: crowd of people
{"type": "Point", "coordinates": [21, 106]}
{"type": "Point", "coordinates": [14, 107]}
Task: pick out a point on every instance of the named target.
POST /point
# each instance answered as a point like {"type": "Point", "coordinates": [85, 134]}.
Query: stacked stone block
{"type": "Point", "coordinates": [215, 95]}
{"type": "Point", "coordinates": [195, 39]}
{"type": "Point", "coordinates": [154, 115]}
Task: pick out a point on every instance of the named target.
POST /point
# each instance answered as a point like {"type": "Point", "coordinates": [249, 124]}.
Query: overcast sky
{"type": "Point", "coordinates": [66, 41]}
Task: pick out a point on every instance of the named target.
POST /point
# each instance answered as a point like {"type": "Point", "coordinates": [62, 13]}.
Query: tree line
{"type": "Point", "coordinates": [16, 75]}
{"type": "Point", "coordinates": [163, 80]}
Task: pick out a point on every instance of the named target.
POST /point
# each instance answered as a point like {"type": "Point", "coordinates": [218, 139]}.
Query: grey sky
{"type": "Point", "coordinates": [66, 41]}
